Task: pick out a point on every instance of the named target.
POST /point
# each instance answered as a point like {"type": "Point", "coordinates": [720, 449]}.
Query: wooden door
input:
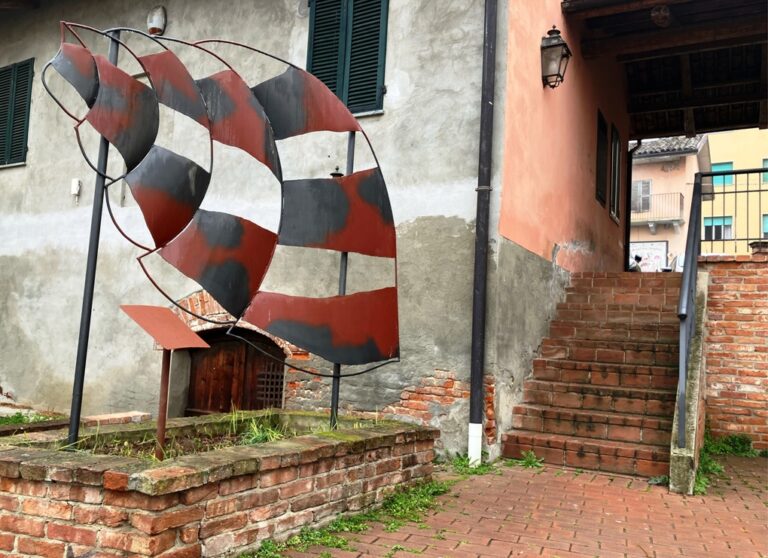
{"type": "Point", "coordinates": [234, 375]}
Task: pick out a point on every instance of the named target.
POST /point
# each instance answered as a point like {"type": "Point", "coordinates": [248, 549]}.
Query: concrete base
{"type": "Point", "coordinates": [683, 462]}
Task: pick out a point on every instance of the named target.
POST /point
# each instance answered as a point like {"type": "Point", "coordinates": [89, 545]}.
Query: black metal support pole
{"type": "Point", "coordinates": [480, 288]}
{"type": "Point", "coordinates": [628, 204]}
{"type": "Point", "coordinates": [162, 410]}
{"type": "Point", "coordinates": [336, 385]}
{"type": "Point", "coordinates": [90, 276]}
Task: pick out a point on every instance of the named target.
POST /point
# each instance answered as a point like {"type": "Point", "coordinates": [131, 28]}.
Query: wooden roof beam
{"type": "Point", "coordinates": [694, 102]}
{"type": "Point", "coordinates": [689, 121]}
{"type": "Point", "coordinates": [585, 10]}
{"type": "Point", "coordinates": [636, 134]}
{"type": "Point", "coordinates": [696, 36]}
{"type": "Point", "coordinates": [7, 5]}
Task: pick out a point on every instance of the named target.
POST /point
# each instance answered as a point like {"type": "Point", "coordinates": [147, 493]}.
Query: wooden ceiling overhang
{"type": "Point", "coordinates": [691, 66]}
{"type": "Point", "coordinates": [14, 5]}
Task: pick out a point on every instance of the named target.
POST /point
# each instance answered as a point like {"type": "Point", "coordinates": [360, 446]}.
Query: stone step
{"type": "Point", "coordinates": [585, 453]}
{"type": "Point", "coordinates": [636, 376]}
{"type": "Point", "coordinates": [642, 280]}
{"type": "Point", "coordinates": [619, 427]}
{"type": "Point", "coordinates": [613, 352]}
{"type": "Point", "coordinates": [652, 402]}
{"type": "Point", "coordinates": [642, 296]}
{"type": "Point", "coordinates": [612, 312]}
{"type": "Point", "coordinates": [607, 331]}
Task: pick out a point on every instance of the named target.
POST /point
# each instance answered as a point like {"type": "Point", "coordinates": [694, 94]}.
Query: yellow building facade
{"type": "Point", "coordinates": [737, 213]}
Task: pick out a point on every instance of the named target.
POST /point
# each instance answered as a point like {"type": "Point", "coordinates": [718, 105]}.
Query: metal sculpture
{"type": "Point", "coordinates": [229, 255]}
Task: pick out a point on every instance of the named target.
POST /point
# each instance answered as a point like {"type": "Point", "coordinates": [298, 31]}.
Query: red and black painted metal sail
{"type": "Point", "coordinates": [227, 254]}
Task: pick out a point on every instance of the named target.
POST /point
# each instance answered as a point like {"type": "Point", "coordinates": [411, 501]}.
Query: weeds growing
{"type": "Point", "coordinates": [529, 461]}
{"type": "Point", "coordinates": [399, 508]}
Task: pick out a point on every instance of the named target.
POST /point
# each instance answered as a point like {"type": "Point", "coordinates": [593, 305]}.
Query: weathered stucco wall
{"type": "Point", "coordinates": [548, 202]}
{"type": "Point", "coordinates": [426, 140]}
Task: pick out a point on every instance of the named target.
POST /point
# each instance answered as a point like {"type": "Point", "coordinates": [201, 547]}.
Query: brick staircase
{"type": "Point", "coordinates": [602, 393]}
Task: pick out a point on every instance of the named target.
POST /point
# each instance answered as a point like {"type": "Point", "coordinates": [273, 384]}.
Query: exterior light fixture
{"type": "Point", "coordinates": [156, 20]}
{"type": "Point", "coordinates": [554, 58]}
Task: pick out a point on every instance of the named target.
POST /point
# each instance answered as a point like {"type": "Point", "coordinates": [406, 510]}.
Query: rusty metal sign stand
{"type": "Point", "coordinates": [170, 333]}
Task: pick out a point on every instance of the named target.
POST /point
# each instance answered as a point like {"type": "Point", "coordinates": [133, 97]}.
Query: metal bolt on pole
{"type": "Point", "coordinates": [90, 274]}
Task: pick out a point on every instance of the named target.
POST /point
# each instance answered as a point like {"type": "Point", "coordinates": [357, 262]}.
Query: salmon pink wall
{"type": "Point", "coordinates": [548, 202]}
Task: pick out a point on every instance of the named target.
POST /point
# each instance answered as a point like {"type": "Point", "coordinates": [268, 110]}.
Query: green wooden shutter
{"type": "Point", "coordinates": [15, 92]}
{"type": "Point", "coordinates": [20, 116]}
{"type": "Point", "coordinates": [366, 45]}
{"type": "Point", "coordinates": [326, 45]}
{"type": "Point", "coordinates": [6, 91]}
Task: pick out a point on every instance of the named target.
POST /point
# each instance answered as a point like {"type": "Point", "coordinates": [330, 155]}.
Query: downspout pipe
{"type": "Point", "coordinates": [480, 284]}
{"type": "Point", "coordinates": [628, 204]}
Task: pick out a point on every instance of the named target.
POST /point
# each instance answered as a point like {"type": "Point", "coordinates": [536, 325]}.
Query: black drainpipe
{"type": "Point", "coordinates": [628, 205]}
{"type": "Point", "coordinates": [480, 288]}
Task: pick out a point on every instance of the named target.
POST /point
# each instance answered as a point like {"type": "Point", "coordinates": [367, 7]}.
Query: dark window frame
{"type": "Point", "coordinates": [601, 160]}
{"type": "Point", "coordinates": [15, 105]}
{"type": "Point", "coordinates": [615, 173]}
{"type": "Point", "coordinates": [353, 76]}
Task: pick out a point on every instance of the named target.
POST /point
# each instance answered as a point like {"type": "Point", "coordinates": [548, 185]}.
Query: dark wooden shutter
{"type": "Point", "coordinates": [15, 91]}
{"type": "Point", "coordinates": [366, 46]}
{"type": "Point", "coordinates": [326, 52]}
{"type": "Point", "coordinates": [20, 116]}
{"type": "Point", "coordinates": [6, 91]}
{"type": "Point", "coordinates": [601, 170]}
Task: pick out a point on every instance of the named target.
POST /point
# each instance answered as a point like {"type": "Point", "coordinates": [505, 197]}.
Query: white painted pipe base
{"type": "Point", "coordinates": [475, 445]}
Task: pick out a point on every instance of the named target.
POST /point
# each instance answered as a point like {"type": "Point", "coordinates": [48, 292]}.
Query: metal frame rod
{"type": "Point", "coordinates": [336, 381]}
{"type": "Point", "coordinates": [162, 410]}
{"type": "Point", "coordinates": [90, 273]}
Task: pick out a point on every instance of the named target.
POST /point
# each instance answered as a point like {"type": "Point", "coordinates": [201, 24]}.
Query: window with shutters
{"type": "Point", "coordinates": [15, 90]}
{"type": "Point", "coordinates": [641, 196]}
{"type": "Point", "coordinates": [347, 45]}
{"type": "Point", "coordinates": [601, 170]}
{"type": "Point", "coordinates": [615, 171]}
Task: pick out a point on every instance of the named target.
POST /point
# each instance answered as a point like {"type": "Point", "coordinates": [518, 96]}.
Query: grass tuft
{"type": "Point", "coordinates": [529, 461]}
{"type": "Point", "coordinates": [460, 465]}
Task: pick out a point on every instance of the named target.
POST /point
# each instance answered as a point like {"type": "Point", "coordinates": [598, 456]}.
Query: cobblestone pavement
{"type": "Point", "coordinates": [566, 513]}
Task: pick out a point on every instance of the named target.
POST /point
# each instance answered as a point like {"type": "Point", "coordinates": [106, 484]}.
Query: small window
{"type": "Point", "coordinates": [765, 226]}
{"type": "Point", "coordinates": [718, 228]}
{"type": "Point", "coordinates": [726, 180]}
{"type": "Point", "coordinates": [615, 171]}
{"type": "Point", "coordinates": [765, 174]}
{"type": "Point", "coordinates": [347, 46]}
{"type": "Point", "coordinates": [641, 196]}
{"type": "Point", "coordinates": [601, 171]}
{"type": "Point", "coordinates": [15, 90]}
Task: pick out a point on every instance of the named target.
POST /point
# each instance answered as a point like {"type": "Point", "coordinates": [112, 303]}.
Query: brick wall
{"type": "Point", "coordinates": [736, 346]}
{"type": "Point", "coordinates": [57, 504]}
{"type": "Point", "coordinates": [424, 403]}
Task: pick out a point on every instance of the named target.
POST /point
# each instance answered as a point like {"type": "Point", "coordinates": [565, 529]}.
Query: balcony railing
{"type": "Point", "coordinates": [658, 208]}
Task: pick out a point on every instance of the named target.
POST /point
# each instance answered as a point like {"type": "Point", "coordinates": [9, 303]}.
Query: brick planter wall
{"type": "Point", "coordinates": [58, 504]}
{"type": "Point", "coordinates": [737, 346]}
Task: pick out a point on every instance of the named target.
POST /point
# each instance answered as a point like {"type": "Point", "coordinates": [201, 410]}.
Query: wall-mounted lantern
{"type": "Point", "coordinates": [554, 58]}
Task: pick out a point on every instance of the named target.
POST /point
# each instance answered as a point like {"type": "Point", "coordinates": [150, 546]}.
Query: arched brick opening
{"type": "Point", "coordinates": [231, 373]}
{"type": "Point", "coordinates": [203, 304]}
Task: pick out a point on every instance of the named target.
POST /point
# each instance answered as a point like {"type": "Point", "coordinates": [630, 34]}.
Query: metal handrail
{"type": "Point", "coordinates": [686, 308]}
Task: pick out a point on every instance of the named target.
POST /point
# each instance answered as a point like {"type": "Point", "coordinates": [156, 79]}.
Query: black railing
{"type": "Point", "coordinates": [735, 211]}
{"type": "Point", "coordinates": [686, 308]}
{"type": "Point", "coordinates": [712, 186]}
{"type": "Point", "coordinates": [658, 208]}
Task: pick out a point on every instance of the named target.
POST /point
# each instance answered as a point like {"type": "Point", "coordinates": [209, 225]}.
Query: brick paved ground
{"type": "Point", "coordinates": [554, 512]}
